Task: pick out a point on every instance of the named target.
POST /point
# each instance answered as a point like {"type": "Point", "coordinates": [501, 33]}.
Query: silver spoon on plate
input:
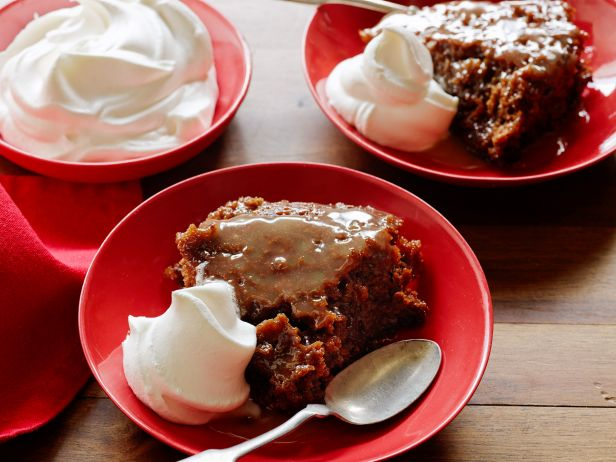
{"type": "Point", "coordinates": [372, 389]}
{"type": "Point", "coordinates": [382, 6]}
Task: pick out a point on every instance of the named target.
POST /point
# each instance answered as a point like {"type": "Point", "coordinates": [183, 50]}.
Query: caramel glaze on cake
{"type": "Point", "coordinates": [323, 284]}
{"type": "Point", "coordinates": [516, 67]}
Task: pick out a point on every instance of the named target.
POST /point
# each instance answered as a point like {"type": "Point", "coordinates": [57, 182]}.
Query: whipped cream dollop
{"type": "Point", "coordinates": [188, 364]}
{"type": "Point", "coordinates": [388, 93]}
{"type": "Point", "coordinates": [108, 80]}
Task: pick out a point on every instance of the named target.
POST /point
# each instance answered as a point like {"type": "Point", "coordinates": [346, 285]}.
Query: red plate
{"type": "Point", "coordinates": [584, 139]}
{"type": "Point", "coordinates": [126, 277]}
{"type": "Point", "coordinates": [233, 66]}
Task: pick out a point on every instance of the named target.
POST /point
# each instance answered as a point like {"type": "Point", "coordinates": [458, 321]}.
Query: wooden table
{"type": "Point", "coordinates": [549, 253]}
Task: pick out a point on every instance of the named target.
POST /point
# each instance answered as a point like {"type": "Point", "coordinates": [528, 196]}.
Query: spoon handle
{"type": "Point", "coordinates": [234, 452]}
{"type": "Point", "coordinates": [382, 6]}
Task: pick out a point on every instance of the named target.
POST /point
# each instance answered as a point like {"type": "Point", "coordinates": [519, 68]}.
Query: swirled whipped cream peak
{"type": "Point", "coordinates": [188, 364]}
{"type": "Point", "coordinates": [108, 80]}
{"type": "Point", "coordinates": [388, 93]}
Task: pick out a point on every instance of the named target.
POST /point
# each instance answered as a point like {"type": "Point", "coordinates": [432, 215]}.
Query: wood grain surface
{"type": "Point", "coordinates": [548, 250]}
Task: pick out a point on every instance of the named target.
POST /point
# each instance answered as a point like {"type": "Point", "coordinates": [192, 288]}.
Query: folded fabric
{"type": "Point", "coordinates": [49, 233]}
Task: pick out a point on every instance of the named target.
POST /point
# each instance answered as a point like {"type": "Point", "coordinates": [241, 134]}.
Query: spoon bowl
{"type": "Point", "coordinates": [372, 389]}
{"type": "Point", "coordinates": [384, 382]}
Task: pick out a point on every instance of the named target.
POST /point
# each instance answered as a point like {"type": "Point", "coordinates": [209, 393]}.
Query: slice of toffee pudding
{"type": "Point", "coordinates": [324, 284]}
{"type": "Point", "coordinates": [516, 67]}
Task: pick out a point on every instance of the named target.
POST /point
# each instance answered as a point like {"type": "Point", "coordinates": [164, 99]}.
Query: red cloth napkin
{"type": "Point", "coordinates": [49, 232]}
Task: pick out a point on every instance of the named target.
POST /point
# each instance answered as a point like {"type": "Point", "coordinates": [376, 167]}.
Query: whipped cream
{"type": "Point", "coordinates": [108, 80]}
{"type": "Point", "coordinates": [389, 95]}
{"type": "Point", "coordinates": [188, 364]}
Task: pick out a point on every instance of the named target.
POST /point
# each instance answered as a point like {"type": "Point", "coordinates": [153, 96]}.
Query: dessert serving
{"type": "Point", "coordinates": [130, 277]}
{"type": "Point", "coordinates": [323, 284]}
{"type": "Point", "coordinates": [108, 80]}
{"type": "Point", "coordinates": [516, 67]}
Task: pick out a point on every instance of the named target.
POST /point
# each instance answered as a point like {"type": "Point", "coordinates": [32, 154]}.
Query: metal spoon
{"type": "Point", "coordinates": [372, 389]}
{"type": "Point", "coordinates": [381, 6]}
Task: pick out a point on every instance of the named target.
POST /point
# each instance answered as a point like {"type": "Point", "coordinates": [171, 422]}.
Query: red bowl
{"type": "Point", "coordinates": [232, 58]}
{"type": "Point", "coordinates": [586, 138]}
{"type": "Point", "coordinates": [126, 277]}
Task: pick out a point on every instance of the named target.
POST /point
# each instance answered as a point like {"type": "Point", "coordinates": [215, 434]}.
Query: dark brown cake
{"type": "Point", "coordinates": [323, 284]}
{"type": "Point", "coordinates": [514, 65]}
